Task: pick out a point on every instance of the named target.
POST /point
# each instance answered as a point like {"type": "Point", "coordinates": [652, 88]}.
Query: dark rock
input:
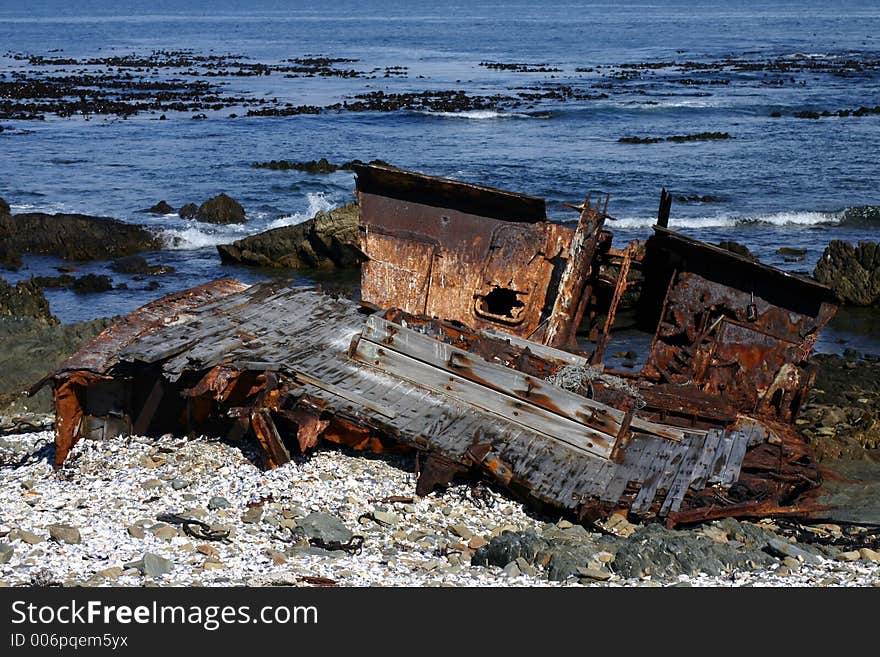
{"type": "Point", "coordinates": [663, 553]}
{"type": "Point", "coordinates": [74, 236]}
{"type": "Point", "coordinates": [6, 552]}
{"type": "Point", "coordinates": [160, 208]}
{"type": "Point", "coordinates": [136, 264]}
{"type": "Point", "coordinates": [325, 527]}
{"type": "Point", "coordinates": [188, 211]}
{"type": "Point", "coordinates": [86, 284]}
{"type": "Point", "coordinates": [563, 564]}
{"type": "Point", "coordinates": [509, 546]}
{"type": "Point", "coordinates": [328, 240]}
{"type": "Point", "coordinates": [4, 208]}
{"type": "Point", "coordinates": [312, 166]}
{"type": "Point", "coordinates": [221, 209]}
{"type": "Point", "coordinates": [25, 300]}
{"type": "Point", "coordinates": [737, 248]}
{"type": "Point", "coordinates": [786, 250]}
{"type": "Point", "coordinates": [700, 136]}
{"type": "Point", "coordinates": [852, 272]}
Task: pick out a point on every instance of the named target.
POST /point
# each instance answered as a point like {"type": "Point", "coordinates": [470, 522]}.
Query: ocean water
{"type": "Point", "coordinates": [778, 181]}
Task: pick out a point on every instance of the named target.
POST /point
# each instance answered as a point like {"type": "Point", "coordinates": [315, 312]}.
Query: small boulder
{"type": "Point", "coordinates": [218, 502]}
{"type": "Point", "coordinates": [6, 552]}
{"type": "Point", "coordinates": [65, 534]}
{"type": "Point", "coordinates": [138, 265]}
{"type": "Point", "coordinates": [188, 211]}
{"type": "Point", "coordinates": [92, 283]}
{"type": "Point", "coordinates": [737, 248]}
{"type": "Point", "coordinates": [221, 209]}
{"type": "Point", "coordinates": [160, 208]}
{"type": "Point", "coordinates": [325, 528]}
{"type": "Point", "coordinates": [152, 565]}
{"type": "Point", "coordinates": [4, 208]}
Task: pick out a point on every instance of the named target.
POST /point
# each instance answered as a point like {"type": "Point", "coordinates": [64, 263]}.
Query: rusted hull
{"type": "Point", "coordinates": [465, 350]}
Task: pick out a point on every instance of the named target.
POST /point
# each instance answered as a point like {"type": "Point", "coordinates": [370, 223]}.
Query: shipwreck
{"type": "Point", "coordinates": [479, 343]}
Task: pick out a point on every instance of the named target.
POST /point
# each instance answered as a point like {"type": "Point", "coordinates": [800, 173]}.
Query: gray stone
{"type": "Point", "coordinates": [512, 570]}
{"type": "Point", "coordinates": [852, 555]}
{"type": "Point", "coordinates": [65, 534]}
{"type": "Point", "coordinates": [136, 531]}
{"type": "Point", "coordinates": [6, 552]}
{"type": "Point", "coordinates": [525, 567]}
{"type": "Point", "coordinates": [179, 483]}
{"type": "Point", "coordinates": [26, 536]}
{"type": "Point", "coordinates": [252, 515]}
{"type": "Point", "coordinates": [325, 527]}
{"type": "Point", "coordinates": [152, 565]}
{"type": "Point", "coordinates": [218, 502]}
{"type": "Point", "coordinates": [151, 483]}
{"type": "Point", "coordinates": [779, 546]}
{"type": "Point", "coordinates": [562, 565]}
{"type": "Point", "coordinates": [386, 519]}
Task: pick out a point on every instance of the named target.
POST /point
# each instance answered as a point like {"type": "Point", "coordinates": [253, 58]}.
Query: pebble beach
{"type": "Point", "coordinates": [94, 523]}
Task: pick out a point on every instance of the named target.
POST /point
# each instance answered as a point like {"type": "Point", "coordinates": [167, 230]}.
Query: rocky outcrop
{"type": "Point", "coordinates": [25, 300]}
{"type": "Point", "coordinates": [33, 343]}
{"type": "Point", "coordinates": [221, 209]}
{"type": "Point", "coordinates": [4, 208]}
{"type": "Point", "coordinates": [312, 166]}
{"type": "Point", "coordinates": [852, 272]}
{"type": "Point", "coordinates": [73, 236]}
{"type": "Point", "coordinates": [326, 241]}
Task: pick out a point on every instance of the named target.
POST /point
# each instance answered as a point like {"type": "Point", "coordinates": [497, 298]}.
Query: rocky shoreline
{"type": "Point", "coordinates": [115, 517]}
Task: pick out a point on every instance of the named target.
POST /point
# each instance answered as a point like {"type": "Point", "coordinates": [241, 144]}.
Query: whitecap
{"type": "Point", "coordinates": [788, 218]}
{"type": "Point", "coordinates": [478, 115]}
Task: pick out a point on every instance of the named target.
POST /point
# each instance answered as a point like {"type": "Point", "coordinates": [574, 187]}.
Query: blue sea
{"type": "Point", "coordinates": [641, 69]}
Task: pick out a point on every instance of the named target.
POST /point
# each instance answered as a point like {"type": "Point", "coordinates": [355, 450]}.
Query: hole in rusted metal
{"type": "Point", "coordinates": [501, 301]}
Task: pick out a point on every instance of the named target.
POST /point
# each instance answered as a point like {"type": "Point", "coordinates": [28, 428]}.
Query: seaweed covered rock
{"type": "Point", "coordinates": [221, 209]}
{"type": "Point", "coordinates": [326, 241]}
{"type": "Point", "coordinates": [852, 272]}
{"type": "Point", "coordinates": [73, 236]}
{"type": "Point", "coordinates": [25, 300]}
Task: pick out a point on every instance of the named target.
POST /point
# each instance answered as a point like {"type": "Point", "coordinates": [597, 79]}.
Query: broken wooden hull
{"type": "Point", "coordinates": [465, 351]}
{"type": "Point", "coordinates": [294, 366]}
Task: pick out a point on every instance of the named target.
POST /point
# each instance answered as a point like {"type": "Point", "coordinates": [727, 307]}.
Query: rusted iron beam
{"type": "Point", "coordinates": [619, 289]}
{"type": "Point", "coordinates": [571, 298]}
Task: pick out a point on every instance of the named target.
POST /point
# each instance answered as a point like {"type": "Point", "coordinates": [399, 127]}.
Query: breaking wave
{"type": "Point", "coordinates": [478, 115]}
{"type": "Point", "coordinates": [729, 220]}
{"type": "Point", "coordinates": [198, 236]}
